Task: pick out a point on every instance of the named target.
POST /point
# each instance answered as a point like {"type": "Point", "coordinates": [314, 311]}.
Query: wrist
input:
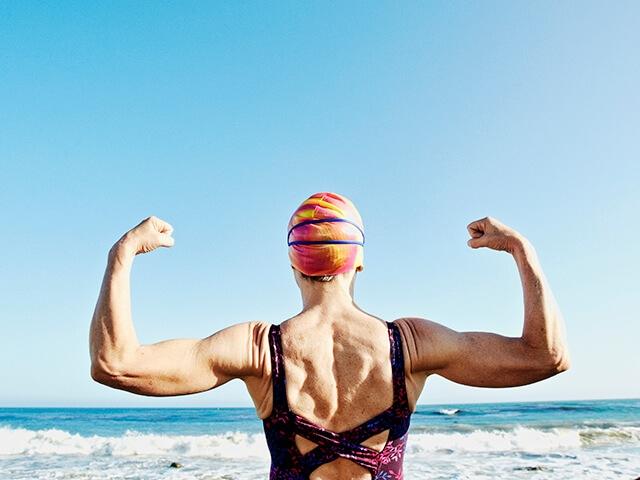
{"type": "Point", "coordinates": [122, 252]}
{"type": "Point", "coordinates": [521, 247]}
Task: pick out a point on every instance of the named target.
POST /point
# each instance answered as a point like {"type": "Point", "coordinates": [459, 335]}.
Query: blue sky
{"type": "Point", "coordinates": [222, 117]}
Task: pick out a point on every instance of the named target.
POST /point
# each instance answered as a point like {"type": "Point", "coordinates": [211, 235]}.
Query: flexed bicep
{"type": "Point", "coordinates": [186, 366]}
{"type": "Point", "coordinates": [479, 359]}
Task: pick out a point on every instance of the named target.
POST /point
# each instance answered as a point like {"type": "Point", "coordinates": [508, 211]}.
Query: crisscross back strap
{"type": "Point", "coordinates": [326, 454]}
{"type": "Point", "coordinates": [277, 370]}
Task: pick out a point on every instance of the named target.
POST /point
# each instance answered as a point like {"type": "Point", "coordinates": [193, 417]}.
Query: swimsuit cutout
{"type": "Point", "coordinates": [282, 425]}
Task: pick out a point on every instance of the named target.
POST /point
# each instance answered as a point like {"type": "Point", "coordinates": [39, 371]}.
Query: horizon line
{"type": "Point", "coordinates": [253, 408]}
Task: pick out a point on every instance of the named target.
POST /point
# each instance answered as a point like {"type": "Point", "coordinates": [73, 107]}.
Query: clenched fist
{"type": "Point", "coordinates": [491, 233]}
{"type": "Point", "coordinates": [145, 237]}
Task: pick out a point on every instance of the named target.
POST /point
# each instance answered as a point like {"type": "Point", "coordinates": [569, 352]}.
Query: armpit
{"type": "Point", "coordinates": [414, 380]}
{"type": "Point", "coordinates": [258, 383]}
{"type": "Point", "coordinates": [408, 344]}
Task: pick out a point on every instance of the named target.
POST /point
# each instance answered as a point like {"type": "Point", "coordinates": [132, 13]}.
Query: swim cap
{"type": "Point", "coordinates": [326, 235]}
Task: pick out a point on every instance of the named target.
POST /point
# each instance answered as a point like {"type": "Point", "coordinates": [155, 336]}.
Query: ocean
{"type": "Point", "coordinates": [534, 441]}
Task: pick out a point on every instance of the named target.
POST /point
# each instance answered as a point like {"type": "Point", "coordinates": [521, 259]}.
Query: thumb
{"type": "Point", "coordinates": [477, 242]}
{"type": "Point", "coordinates": [166, 240]}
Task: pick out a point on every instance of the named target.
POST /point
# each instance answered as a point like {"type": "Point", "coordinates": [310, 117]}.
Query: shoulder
{"type": "Point", "coordinates": [252, 332]}
{"type": "Point", "coordinates": [416, 329]}
{"type": "Point", "coordinates": [241, 349]}
{"type": "Point", "coordinates": [422, 340]}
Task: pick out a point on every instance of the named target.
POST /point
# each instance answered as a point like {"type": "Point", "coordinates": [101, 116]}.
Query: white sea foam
{"type": "Point", "coordinates": [522, 439]}
{"type": "Point", "coordinates": [519, 439]}
{"type": "Point", "coordinates": [239, 445]}
{"type": "Point", "coordinates": [448, 411]}
{"type": "Point", "coordinates": [232, 445]}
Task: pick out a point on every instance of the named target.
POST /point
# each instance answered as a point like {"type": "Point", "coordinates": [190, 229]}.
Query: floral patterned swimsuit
{"type": "Point", "coordinates": [282, 425]}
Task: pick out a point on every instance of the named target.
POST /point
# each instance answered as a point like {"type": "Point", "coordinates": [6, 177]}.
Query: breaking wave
{"type": "Point", "coordinates": [238, 445]}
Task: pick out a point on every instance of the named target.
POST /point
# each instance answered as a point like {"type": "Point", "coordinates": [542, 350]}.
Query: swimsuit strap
{"type": "Point", "coordinates": [400, 397]}
{"type": "Point", "coordinates": [283, 425]}
{"type": "Point", "coordinates": [277, 370]}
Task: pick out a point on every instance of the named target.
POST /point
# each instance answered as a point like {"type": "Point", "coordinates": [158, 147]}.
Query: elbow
{"type": "Point", "coordinates": [111, 369]}
{"type": "Point", "coordinates": [549, 360]}
{"type": "Point", "coordinates": [557, 362]}
{"type": "Point", "coordinates": [98, 377]}
{"type": "Point", "coordinates": [563, 364]}
{"type": "Point", "coordinates": [106, 374]}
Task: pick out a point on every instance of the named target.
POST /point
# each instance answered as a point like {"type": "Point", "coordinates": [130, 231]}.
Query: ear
{"type": "Point", "coordinates": [296, 273]}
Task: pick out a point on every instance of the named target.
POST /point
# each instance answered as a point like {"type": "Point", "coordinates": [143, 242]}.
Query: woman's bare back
{"type": "Point", "coordinates": [338, 373]}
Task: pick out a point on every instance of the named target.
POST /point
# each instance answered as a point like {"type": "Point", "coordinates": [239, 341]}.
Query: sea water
{"type": "Point", "coordinates": [534, 441]}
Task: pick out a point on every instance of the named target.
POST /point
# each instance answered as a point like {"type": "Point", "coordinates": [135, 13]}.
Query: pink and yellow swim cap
{"type": "Point", "coordinates": [326, 235]}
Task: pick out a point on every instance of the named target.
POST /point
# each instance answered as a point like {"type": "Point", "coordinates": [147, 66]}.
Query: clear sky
{"type": "Point", "coordinates": [222, 117]}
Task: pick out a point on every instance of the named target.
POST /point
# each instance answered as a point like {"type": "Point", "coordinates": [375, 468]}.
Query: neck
{"type": "Point", "coordinates": [334, 295]}
{"type": "Point", "coordinates": [326, 299]}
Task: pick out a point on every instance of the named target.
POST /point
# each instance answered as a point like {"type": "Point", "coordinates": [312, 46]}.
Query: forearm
{"type": "Point", "coordinates": [112, 334]}
{"type": "Point", "coordinates": [543, 328]}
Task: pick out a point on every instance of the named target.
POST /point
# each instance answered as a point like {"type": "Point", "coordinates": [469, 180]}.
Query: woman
{"type": "Point", "coordinates": [334, 385]}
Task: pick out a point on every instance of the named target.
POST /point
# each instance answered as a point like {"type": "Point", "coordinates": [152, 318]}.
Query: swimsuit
{"type": "Point", "coordinates": [282, 425]}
